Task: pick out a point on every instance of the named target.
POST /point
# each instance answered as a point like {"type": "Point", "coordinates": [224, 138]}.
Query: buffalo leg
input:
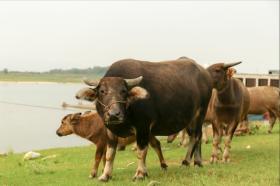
{"type": "Point", "coordinates": [272, 119]}
{"type": "Point", "coordinates": [228, 138]}
{"type": "Point", "coordinates": [155, 144]}
{"type": "Point", "coordinates": [142, 139]}
{"type": "Point", "coordinates": [191, 148]}
{"type": "Point", "coordinates": [110, 156]}
{"type": "Point", "coordinates": [198, 137]}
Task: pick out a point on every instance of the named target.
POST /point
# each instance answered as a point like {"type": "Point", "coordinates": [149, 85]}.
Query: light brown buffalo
{"type": "Point", "coordinates": [265, 99]}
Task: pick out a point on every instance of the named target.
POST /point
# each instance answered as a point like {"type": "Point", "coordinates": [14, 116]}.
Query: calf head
{"type": "Point", "coordinates": [220, 73]}
{"type": "Point", "coordinates": [67, 124]}
{"type": "Point", "coordinates": [112, 95]}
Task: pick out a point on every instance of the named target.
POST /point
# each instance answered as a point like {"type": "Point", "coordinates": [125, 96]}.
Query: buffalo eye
{"type": "Point", "coordinates": [102, 91]}
{"type": "Point", "coordinates": [123, 91]}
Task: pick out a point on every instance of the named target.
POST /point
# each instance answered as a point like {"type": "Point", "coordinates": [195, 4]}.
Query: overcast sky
{"type": "Point", "coordinates": [39, 36]}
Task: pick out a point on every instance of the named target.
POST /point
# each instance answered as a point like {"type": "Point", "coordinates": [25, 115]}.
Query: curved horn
{"type": "Point", "coordinates": [133, 82]}
{"type": "Point", "coordinates": [227, 65]}
{"type": "Point", "coordinates": [91, 82]}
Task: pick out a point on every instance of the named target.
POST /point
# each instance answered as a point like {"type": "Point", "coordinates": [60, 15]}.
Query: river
{"type": "Point", "coordinates": [24, 128]}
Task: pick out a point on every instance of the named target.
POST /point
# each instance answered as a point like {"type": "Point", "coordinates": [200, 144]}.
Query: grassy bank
{"type": "Point", "coordinates": [258, 165]}
{"type": "Point", "coordinates": [56, 75]}
{"type": "Point", "coordinates": [45, 77]}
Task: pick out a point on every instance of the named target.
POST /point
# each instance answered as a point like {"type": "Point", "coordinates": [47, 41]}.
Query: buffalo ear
{"type": "Point", "coordinates": [75, 118]}
{"type": "Point", "coordinates": [87, 93]}
{"type": "Point", "coordinates": [137, 93]}
{"type": "Point", "coordinates": [230, 72]}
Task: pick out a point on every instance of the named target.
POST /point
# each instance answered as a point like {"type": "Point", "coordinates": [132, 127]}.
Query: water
{"type": "Point", "coordinates": [24, 128]}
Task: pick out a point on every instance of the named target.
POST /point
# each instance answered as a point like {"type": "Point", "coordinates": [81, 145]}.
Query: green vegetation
{"type": "Point", "coordinates": [55, 75]}
{"type": "Point", "coordinates": [258, 165]}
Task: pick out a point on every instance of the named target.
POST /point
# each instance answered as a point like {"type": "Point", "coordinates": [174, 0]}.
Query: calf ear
{"type": "Point", "coordinates": [75, 118]}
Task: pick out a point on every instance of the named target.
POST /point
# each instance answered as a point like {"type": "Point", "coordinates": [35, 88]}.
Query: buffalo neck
{"type": "Point", "coordinates": [225, 95]}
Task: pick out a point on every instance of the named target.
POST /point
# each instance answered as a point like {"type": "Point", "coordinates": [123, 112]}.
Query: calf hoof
{"type": "Point", "coordinates": [104, 178]}
{"type": "Point", "coordinates": [213, 159]}
{"type": "Point", "coordinates": [186, 163]}
{"type": "Point", "coordinates": [198, 163]}
{"type": "Point", "coordinates": [93, 174]}
{"type": "Point", "coordinates": [163, 166]}
{"type": "Point", "coordinates": [140, 175]}
{"type": "Point", "coordinates": [269, 132]}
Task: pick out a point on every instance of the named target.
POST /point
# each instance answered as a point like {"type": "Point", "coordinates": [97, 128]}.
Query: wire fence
{"type": "Point", "coordinates": [38, 106]}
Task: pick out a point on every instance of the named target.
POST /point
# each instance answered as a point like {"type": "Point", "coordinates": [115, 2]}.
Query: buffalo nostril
{"type": "Point", "coordinates": [118, 114]}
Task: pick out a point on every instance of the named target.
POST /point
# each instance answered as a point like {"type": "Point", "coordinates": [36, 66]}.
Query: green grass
{"type": "Point", "coordinates": [258, 165]}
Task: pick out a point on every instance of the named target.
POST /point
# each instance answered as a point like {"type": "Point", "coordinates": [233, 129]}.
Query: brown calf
{"type": "Point", "coordinates": [90, 126]}
{"type": "Point", "coordinates": [228, 106]}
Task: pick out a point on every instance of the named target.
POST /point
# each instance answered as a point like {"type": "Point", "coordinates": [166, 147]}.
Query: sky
{"type": "Point", "coordinates": [43, 35]}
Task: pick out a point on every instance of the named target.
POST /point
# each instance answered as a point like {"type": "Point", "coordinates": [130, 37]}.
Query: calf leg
{"type": "Point", "coordinates": [98, 156]}
{"type": "Point", "coordinates": [229, 134]}
{"type": "Point", "coordinates": [183, 141]}
{"type": "Point", "coordinates": [155, 144]}
{"type": "Point", "coordinates": [171, 138]}
{"type": "Point", "coordinates": [110, 156]}
{"type": "Point", "coordinates": [204, 134]}
{"type": "Point", "coordinates": [217, 134]}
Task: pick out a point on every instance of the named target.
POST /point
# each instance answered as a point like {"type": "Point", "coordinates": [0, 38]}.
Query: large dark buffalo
{"type": "Point", "coordinates": [176, 96]}
{"type": "Point", "coordinates": [265, 99]}
{"type": "Point", "coordinates": [228, 106]}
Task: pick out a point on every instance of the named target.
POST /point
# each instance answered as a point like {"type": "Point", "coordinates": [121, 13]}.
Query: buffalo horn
{"type": "Point", "coordinates": [227, 65]}
{"type": "Point", "coordinates": [133, 82]}
{"type": "Point", "coordinates": [91, 82]}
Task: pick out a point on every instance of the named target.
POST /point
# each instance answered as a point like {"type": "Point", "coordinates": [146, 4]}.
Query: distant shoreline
{"type": "Point", "coordinates": [38, 82]}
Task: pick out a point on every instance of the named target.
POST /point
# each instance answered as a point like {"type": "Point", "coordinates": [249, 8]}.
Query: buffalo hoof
{"type": "Point", "coordinates": [163, 166]}
{"type": "Point", "coordinates": [121, 148]}
{"type": "Point", "coordinates": [213, 159]}
{"type": "Point", "coordinates": [104, 178]}
{"type": "Point", "coordinates": [198, 163]}
{"type": "Point", "coordinates": [186, 163]}
{"type": "Point", "coordinates": [226, 160]}
{"type": "Point", "coordinates": [140, 175]}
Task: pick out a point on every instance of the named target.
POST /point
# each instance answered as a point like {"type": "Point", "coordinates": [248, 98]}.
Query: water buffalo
{"type": "Point", "coordinates": [265, 99]}
{"type": "Point", "coordinates": [228, 106]}
{"type": "Point", "coordinates": [178, 93]}
{"type": "Point", "coordinates": [90, 126]}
